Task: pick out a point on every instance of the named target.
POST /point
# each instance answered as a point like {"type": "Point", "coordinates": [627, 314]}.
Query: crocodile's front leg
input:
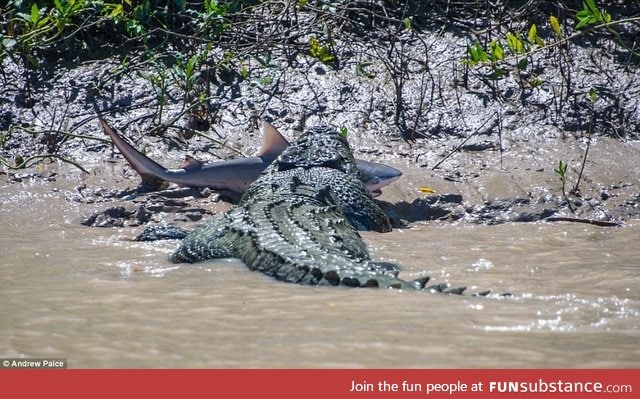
{"type": "Point", "coordinates": [216, 238]}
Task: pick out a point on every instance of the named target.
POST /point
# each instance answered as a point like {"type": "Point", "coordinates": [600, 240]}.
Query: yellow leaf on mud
{"type": "Point", "coordinates": [427, 190]}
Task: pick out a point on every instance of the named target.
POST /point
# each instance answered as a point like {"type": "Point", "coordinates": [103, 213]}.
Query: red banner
{"type": "Point", "coordinates": [330, 384]}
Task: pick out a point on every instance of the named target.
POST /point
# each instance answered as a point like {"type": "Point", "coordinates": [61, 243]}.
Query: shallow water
{"type": "Point", "coordinates": [99, 300]}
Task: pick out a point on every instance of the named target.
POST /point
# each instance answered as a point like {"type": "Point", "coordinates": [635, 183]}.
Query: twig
{"type": "Point", "coordinates": [25, 162]}
{"type": "Point", "coordinates": [600, 223]}
{"type": "Point", "coordinates": [592, 116]}
{"type": "Point", "coordinates": [496, 121]}
{"type": "Point", "coordinates": [61, 132]}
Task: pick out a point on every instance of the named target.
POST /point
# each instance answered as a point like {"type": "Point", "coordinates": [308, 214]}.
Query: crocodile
{"type": "Point", "coordinates": [299, 221]}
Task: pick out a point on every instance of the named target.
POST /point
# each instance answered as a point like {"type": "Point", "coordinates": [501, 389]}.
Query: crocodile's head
{"type": "Point", "coordinates": [320, 146]}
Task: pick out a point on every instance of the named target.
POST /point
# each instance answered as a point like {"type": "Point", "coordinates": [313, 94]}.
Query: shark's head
{"type": "Point", "coordinates": [377, 175]}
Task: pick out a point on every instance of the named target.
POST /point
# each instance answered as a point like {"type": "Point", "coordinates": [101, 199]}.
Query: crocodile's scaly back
{"type": "Point", "coordinates": [321, 158]}
{"type": "Point", "coordinates": [298, 222]}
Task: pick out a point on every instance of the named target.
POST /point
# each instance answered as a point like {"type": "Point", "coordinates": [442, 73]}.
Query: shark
{"type": "Point", "coordinates": [232, 177]}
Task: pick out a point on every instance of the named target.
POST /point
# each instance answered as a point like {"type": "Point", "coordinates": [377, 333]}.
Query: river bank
{"type": "Point", "coordinates": [491, 148]}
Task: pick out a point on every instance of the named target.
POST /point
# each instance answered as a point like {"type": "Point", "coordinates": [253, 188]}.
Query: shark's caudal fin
{"type": "Point", "coordinates": [151, 172]}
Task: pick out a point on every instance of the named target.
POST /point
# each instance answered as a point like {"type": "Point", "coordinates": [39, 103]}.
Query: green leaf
{"type": "Point", "coordinates": [514, 43]}
{"type": "Point", "coordinates": [533, 34]}
{"type": "Point", "coordinates": [476, 54]}
{"type": "Point", "coordinates": [134, 28]}
{"type": "Point", "coordinates": [35, 14]}
{"type": "Point", "coordinates": [192, 63]}
{"type": "Point", "coordinates": [265, 81]}
{"type": "Point", "coordinates": [583, 14]}
{"type": "Point", "coordinates": [593, 95]}
{"type": "Point", "coordinates": [536, 82]}
{"type": "Point", "coordinates": [46, 20]}
{"type": "Point", "coordinates": [498, 73]}
{"type": "Point", "coordinates": [116, 11]}
{"type": "Point", "coordinates": [343, 132]}
{"type": "Point", "coordinates": [523, 63]}
{"type": "Point", "coordinates": [591, 14]}
{"type": "Point", "coordinates": [497, 52]}
{"type": "Point", "coordinates": [561, 170]}
{"type": "Point", "coordinates": [321, 52]}
{"type": "Point", "coordinates": [58, 5]}
{"type": "Point", "coordinates": [590, 6]}
{"type": "Point", "coordinates": [314, 46]}
{"type": "Point", "coordinates": [327, 58]}
{"type": "Point", "coordinates": [584, 22]}
{"type": "Point", "coordinates": [407, 23]}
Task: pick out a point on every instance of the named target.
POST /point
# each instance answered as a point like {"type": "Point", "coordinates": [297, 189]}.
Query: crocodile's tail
{"type": "Point", "coordinates": [391, 281]}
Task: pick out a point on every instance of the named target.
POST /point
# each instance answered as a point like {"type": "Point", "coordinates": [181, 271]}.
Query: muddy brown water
{"type": "Point", "coordinates": [92, 296]}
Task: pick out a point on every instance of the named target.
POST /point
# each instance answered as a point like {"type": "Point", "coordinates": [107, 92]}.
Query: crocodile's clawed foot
{"type": "Point", "coordinates": [161, 232]}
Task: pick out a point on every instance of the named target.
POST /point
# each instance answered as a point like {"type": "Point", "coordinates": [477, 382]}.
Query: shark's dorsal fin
{"type": "Point", "coordinates": [273, 142]}
{"type": "Point", "coordinates": [190, 163]}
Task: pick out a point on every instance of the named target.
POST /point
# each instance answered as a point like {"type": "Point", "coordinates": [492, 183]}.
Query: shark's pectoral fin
{"type": "Point", "coordinates": [151, 183]}
{"type": "Point", "coordinates": [190, 163]}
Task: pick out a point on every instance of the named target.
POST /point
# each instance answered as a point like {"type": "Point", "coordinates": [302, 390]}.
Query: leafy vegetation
{"type": "Point", "coordinates": [522, 46]}
{"type": "Point", "coordinates": [322, 52]}
{"type": "Point", "coordinates": [561, 171]}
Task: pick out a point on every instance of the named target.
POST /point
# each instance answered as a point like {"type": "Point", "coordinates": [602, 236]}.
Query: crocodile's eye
{"type": "Point", "coordinates": [333, 162]}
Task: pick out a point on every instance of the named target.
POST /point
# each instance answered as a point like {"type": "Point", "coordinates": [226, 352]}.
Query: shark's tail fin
{"type": "Point", "coordinates": [151, 172]}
